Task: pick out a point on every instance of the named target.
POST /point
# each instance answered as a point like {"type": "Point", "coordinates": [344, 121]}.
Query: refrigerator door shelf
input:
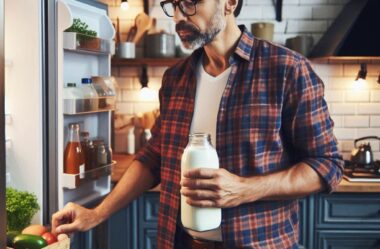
{"type": "Point", "coordinates": [84, 106]}
{"type": "Point", "coordinates": [73, 181]}
{"type": "Point", "coordinates": [86, 44]}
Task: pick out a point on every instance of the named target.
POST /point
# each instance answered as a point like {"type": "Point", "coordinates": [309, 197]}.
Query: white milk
{"type": "Point", "coordinates": [199, 153]}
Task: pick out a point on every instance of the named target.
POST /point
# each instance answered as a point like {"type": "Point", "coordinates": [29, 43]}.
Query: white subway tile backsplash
{"type": "Point", "coordinates": [334, 96]}
{"type": "Point", "coordinates": [338, 121]}
{"type": "Point", "coordinates": [314, 2]}
{"type": "Point", "coordinates": [376, 155]}
{"type": "Point", "coordinates": [130, 96]}
{"type": "Point", "coordinates": [345, 133]}
{"type": "Point", "coordinates": [356, 121]}
{"type": "Point", "coordinates": [329, 70]}
{"type": "Point", "coordinates": [372, 108]}
{"type": "Point", "coordinates": [347, 145]}
{"type": "Point", "coordinates": [357, 96]}
{"type": "Point", "coordinates": [338, 108]}
{"type": "Point", "coordinates": [302, 26]}
{"type": "Point", "coordinates": [351, 70]}
{"type": "Point", "coordinates": [124, 108]}
{"type": "Point", "coordinates": [145, 107]}
{"type": "Point", "coordinates": [325, 12]}
{"type": "Point", "coordinates": [129, 71]}
{"type": "Point", "coordinates": [365, 132]}
{"type": "Point", "coordinates": [125, 83]}
{"type": "Point", "coordinates": [252, 12]}
{"type": "Point", "coordinates": [375, 96]}
{"type": "Point", "coordinates": [296, 12]}
{"type": "Point", "coordinates": [375, 121]}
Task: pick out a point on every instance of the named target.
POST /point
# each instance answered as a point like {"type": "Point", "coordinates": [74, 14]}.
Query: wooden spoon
{"type": "Point", "coordinates": [143, 24]}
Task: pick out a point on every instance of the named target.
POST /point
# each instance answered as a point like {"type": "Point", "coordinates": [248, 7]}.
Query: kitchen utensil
{"type": "Point", "coordinates": [302, 44]}
{"type": "Point", "coordinates": [263, 30]}
{"type": "Point", "coordinates": [117, 31]}
{"type": "Point", "coordinates": [160, 45]}
{"type": "Point", "coordinates": [143, 24]}
{"type": "Point", "coordinates": [363, 155]}
{"type": "Point", "coordinates": [131, 33]}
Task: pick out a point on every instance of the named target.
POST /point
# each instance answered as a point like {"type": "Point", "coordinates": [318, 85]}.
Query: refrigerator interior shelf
{"type": "Point", "coordinates": [86, 44]}
{"type": "Point", "coordinates": [72, 181]}
{"type": "Point", "coordinates": [85, 106]}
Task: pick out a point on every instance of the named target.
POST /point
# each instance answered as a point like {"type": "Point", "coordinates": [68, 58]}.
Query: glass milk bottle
{"type": "Point", "coordinates": [199, 153]}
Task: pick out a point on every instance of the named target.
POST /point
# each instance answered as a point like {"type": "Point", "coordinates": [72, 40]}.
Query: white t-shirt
{"type": "Point", "coordinates": [209, 92]}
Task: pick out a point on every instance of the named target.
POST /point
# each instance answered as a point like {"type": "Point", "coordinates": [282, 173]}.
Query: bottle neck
{"type": "Point", "coordinates": [74, 133]}
{"type": "Point", "coordinates": [200, 139]}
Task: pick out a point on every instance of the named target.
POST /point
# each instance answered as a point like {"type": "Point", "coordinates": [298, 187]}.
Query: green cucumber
{"type": "Point", "coordinates": [28, 241]}
{"type": "Point", "coordinates": [10, 237]}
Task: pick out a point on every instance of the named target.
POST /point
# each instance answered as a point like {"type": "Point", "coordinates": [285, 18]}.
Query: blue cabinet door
{"type": "Point", "coordinates": [350, 239]}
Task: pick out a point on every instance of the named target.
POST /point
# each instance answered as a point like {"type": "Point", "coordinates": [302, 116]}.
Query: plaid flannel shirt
{"type": "Point", "coordinates": [272, 115]}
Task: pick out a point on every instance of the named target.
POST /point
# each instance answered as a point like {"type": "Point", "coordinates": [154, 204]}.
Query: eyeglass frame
{"type": "Point", "coordinates": [177, 3]}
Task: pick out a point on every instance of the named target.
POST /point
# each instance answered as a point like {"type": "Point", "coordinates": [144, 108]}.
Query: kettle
{"type": "Point", "coordinates": [362, 155]}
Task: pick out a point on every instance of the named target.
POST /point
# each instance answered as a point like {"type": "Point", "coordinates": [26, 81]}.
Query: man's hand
{"type": "Point", "coordinates": [205, 187]}
{"type": "Point", "coordinates": [73, 218]}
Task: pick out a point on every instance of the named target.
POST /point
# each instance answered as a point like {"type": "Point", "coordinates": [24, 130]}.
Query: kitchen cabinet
{"type": "Point", "coordinates": [335, 221]}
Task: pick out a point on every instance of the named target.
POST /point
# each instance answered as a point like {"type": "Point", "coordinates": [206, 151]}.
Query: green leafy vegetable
{"type": "Point", "coordinates": [81, 27]}
{"type": "Point", "coordinates": [21, 206]}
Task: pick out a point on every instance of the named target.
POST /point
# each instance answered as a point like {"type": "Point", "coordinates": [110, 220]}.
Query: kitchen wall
{"type": "Point", "coordinates": [355, 109]}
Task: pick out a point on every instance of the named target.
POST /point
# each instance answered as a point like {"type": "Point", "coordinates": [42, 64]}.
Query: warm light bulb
{"type": "Point", "coordinates": [359, 84]}
{"type": "Point", "coordinates": [146, 94]}
{"type": "Point", "coordinates": [124, 5]}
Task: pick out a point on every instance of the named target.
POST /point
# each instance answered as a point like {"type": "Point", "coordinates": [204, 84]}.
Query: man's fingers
{"type": "Point", "coordinates": [199, 183]}
{"type": "Point", "coordinates": [199, 195]}
{"type": "Point", "coordinates": [201, 203]}
{"type": "Point", "coordinates": [201, 173]}
{"type": "Point", "coordinates": [67, 228]}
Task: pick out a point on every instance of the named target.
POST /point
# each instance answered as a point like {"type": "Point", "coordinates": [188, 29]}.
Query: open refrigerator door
{"type": "Point", "coordinates": [83, 57]}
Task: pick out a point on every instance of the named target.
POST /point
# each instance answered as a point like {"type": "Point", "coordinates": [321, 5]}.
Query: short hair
{"type": "Point", "coordinates": [238, 8]}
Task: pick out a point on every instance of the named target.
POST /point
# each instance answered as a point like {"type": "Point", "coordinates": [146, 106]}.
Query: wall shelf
{"type": "Point", "coordinates": [152, 62]}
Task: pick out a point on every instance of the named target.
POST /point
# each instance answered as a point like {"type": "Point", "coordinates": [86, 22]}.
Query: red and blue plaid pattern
{"type": "Point", "coordinates": [272, 115]}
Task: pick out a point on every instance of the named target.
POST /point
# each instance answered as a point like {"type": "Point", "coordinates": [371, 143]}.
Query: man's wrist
{"type": "Point", "coordinates": [253, 188]}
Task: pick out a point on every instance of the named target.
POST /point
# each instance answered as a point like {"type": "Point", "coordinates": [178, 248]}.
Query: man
{"type": "Point", "coordinates": [263, 106]}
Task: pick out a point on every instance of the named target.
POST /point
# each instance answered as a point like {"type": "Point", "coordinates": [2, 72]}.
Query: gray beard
{"type": "Point", "coordinates": [200, 39]}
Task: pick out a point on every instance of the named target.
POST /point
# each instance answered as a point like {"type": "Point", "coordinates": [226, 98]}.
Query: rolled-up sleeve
{"type": "Point", "coordinates": [308, 125]}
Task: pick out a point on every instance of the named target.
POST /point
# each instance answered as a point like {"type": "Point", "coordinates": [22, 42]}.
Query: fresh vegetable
{"type": "Point", "coordinates": [10, 237]}
{"type": "Point", "coordinates": [28, 241]}
{"type": "Point", "coordinates": [34, 230]}
{"type": "Point", "coordinates": [81, 27]}
{"type": "Point", "coordinates": [49, 237]}
{"type": "Point", "coordinates": [62, 236]}
{"type": "Point", "coordinates": [21, 206]}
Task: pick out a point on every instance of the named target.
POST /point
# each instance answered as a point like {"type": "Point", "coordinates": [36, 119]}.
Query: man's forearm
{"type": "Point", "coordinates": [133, 183]}
{"type": "Point", "coordinates": [295, 182]}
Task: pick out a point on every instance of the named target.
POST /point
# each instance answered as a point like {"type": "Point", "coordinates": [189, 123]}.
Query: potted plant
{"type": "Point", "coordinates": [21, 206]}
{"type": "Point", "coordinates": [85, 37]}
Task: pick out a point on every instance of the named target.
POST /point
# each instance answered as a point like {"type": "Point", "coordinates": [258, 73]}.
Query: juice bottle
{"type": "Point", "coordinates": [199, 153]}
{"type": "Point", "coordinates": [74, 156]}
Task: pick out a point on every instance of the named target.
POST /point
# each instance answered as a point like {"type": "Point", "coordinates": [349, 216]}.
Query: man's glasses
{"type": "Point", "coordinates": [187, 7]}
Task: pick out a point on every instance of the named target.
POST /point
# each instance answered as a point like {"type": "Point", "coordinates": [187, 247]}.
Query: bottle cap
{"type": "Point", "coordinates": [71, 84]}
{"type": "Point", "coordinates": [86, 80]}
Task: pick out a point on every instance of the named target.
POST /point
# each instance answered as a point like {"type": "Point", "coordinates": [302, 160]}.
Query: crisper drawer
{"type": "Point", "coordinates": [348, 211]}
{"type": "Point", "coordinates": [360, 239]}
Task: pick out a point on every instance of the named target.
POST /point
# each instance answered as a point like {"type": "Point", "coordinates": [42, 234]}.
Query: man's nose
{"type": "Point", "coordinates": [178, 15]}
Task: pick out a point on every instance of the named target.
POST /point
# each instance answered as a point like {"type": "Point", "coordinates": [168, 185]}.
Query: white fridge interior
{"type": "Point", "coordinates": [75, 63]}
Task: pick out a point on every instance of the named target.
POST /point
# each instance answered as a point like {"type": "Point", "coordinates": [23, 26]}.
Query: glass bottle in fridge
{"type": "Point", "coordinates": [89, 151]}
{"type": "Point", "coordinates": [91, 98]}
{"type": "Point", "coordinates": [199, 153]}
{"type": "Point", "coordinates": [72, 97]}
{"type": "Point", "coordinates": [74, 160]}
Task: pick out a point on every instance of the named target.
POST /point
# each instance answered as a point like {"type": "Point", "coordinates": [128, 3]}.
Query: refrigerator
{"type": "Point", "coordinates": [40, 59]}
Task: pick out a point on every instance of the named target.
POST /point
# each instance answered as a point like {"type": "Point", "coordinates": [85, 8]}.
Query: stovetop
{"type": "Point", "coordinates": [362, 173]}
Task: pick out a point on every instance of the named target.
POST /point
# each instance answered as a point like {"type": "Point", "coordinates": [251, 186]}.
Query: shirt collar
{"type": "Point", "coordinates": [243, 49]}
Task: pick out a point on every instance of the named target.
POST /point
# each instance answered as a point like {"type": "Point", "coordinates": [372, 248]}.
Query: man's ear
{"type": "Point", "coordinates": [230, 6]}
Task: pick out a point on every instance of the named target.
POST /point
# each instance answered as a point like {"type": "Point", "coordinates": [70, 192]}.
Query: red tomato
{"type": "Point", "coordinates": [49, 237]}
{"type": "Point", "coordinates": [35, 230]}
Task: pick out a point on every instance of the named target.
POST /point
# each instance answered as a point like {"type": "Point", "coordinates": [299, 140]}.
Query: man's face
{"type": "Point", "coordinates": [200, 29]}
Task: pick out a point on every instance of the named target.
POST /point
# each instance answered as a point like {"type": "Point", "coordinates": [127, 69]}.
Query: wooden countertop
{"type": "Point", "coordinates": [358, 187]}
{"type": "Point", "coordinates": [123, 162]}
